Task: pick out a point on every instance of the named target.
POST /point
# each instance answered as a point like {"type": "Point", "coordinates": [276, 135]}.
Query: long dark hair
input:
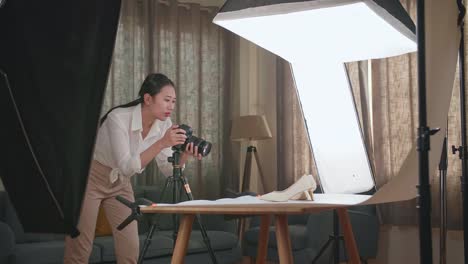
{"type": "Point", "coordinates": [152, 85]}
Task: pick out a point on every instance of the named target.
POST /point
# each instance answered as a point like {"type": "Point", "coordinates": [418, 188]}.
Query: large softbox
{"type": "Point", "coordinates": [317, 38]}
{"type": "Point", "coordinates": [55, 56]}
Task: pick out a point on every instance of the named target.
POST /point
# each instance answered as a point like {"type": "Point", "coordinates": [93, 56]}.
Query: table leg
{"type": "Point", "coordinates": [283, 240]}
{"type": "Point", "coordinates": [182, 241]}
{"type": "Point", "coordinates": [263, 239]}
{"type": "Point", "coordinates": [351, 247]}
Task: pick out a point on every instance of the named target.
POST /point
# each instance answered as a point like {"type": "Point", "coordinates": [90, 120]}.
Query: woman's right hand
{"type": "Point", "coordinates": [173, 136]}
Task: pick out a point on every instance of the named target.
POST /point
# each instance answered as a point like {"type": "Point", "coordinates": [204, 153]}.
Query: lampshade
{"type": "Point", "coordinates": [251, 127]}
{"type": "Point", "coordinates": [317, 37]}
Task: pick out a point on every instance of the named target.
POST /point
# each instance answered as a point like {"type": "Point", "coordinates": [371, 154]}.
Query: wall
{"type": "Point", "coordinates": [392, 250]}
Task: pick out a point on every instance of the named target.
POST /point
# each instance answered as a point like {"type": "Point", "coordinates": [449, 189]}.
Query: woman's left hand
{"type": "Point", "coordinates": [190, 151]}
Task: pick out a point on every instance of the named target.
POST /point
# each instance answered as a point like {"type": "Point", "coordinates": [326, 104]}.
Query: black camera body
{"type": "Point", "coordinates": [204, 147]}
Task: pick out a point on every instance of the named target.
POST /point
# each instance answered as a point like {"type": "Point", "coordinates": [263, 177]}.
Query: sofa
{"type": "Point", "coordinates": [19, 247]}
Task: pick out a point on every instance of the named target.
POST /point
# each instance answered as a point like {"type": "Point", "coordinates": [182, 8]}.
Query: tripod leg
{"type": "Point", "coordinates": [147, 243]}
{"type": "Point", "coordinates": [247, 170]}
{"type": "Point", "coordinates": [336, 249]}
{"type": "Point", "coordinates": [153, 225]}
{"type": "Point", "coordinates": [166, 184]}
{"type": "Point", "coordinates": [206, 239]}
{"type": "Point", "coordinates": [344, 251]}
{"type": "Point", "coordinates": [260, 170]}
{"type": "Point", "coordinates": [322, 250]}
{"type": "Point", "coordinates": [161, 198]}
{"type": "Point", "coordinates": [241, 224]}
{"type": "Point", "coordinates": [336, 237]}
{"type": "Point", "coordinates": [175, 199]}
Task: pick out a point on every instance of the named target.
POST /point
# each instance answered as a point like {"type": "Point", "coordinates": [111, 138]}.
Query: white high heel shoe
{"type": "Point", "coordinates": [302, 189]}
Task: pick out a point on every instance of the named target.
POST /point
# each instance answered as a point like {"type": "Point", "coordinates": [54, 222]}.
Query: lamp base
{"type": "Point", "coordinates": [251, 154]}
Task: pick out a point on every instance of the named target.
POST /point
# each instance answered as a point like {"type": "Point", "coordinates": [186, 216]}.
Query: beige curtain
{"type": "Point", "coordinates": [180, 41]}
{"type": "Point", "coordinates": [358, 73]}
{"type": "Point", "coordinates": [294, 153]}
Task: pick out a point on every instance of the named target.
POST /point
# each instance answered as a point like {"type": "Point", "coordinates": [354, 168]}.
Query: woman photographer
{"type": "Point", "coordinates": [130, 136]}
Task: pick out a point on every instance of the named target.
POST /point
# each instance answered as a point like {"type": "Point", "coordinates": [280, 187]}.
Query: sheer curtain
{"type": "Point", "coordinates": [179, 40]}
{"type": "Point", "coordinates": [294, 153]}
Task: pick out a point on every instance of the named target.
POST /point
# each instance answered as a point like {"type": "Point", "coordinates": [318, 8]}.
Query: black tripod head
{"type": "Point", "coordinates": [175, 158]}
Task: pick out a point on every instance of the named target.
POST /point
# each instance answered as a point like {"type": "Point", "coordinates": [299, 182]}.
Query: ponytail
{"type": "Point", "coordinates": [130, 104]}
{"type": "Point", "coordinates": [152, 85]}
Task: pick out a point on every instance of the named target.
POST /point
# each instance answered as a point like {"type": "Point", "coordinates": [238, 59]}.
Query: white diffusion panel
{"type": "Point", "coordinates": [333, 127]}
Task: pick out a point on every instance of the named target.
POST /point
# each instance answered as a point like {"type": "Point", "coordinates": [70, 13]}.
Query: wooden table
{"type": "Point", "coordinates": [279, 212]}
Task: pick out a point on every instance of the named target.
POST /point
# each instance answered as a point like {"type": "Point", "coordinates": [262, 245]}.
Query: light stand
{"type": "Point", "coordinates": [443, 164]}
{"type": "Point", "coordinates": [178, 181]}
{"type": "Point", "coordinates": [462, 150]}
{"type": "Point", "coordinates": [423, 145]}
{"type": "Point", "coordinates": [333, 240]}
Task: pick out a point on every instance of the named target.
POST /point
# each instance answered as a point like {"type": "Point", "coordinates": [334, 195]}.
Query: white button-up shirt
{"type": "Point", "coordinates": [119, 143]}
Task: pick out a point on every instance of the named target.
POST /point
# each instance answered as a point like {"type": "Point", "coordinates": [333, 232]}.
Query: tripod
{"type": "Point", "coordinates": [333, 240]}
{"type": "Point", "coordinates": [178, 181]}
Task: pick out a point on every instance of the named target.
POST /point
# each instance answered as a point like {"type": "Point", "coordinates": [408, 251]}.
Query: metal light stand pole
{"type": "Point", "coordinates": [423, 146]}
{"type": "Point", "coordinates": [443, 164]}
{"type": "Point", "coordinates": [462, 150]}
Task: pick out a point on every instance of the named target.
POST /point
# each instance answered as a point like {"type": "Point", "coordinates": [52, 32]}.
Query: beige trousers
{"type": "Point", "coordinates": [99, 190]}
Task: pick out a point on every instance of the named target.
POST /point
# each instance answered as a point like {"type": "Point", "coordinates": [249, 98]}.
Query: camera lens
{"type": "Point", "coordinates": [204, 147]}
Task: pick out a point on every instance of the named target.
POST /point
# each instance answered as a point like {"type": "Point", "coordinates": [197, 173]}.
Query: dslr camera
{"type": "Point", "coordinates": [204, 147]}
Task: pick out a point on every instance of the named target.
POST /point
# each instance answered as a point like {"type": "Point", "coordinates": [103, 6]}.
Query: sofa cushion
{"type": "Point", "coordinates": [300, 219]}
{"type": "Point", "coordinates": [160, 246]}
{"type": "Point", "coordinates": [47, 252]}
{"type": "Point", "coordinates": [103, 227]}
{"type": "Point", "coordinates": [10, 218]}
{"type": "Point", "coordinates": [40, 237]}
{"type": "Point", "coordinates": [7, 240]}
{"type": "Point", "coordinates": [219, 240]}
{"type": "Point", "coordinates": [3, 197]}
{"type": "Point", "coordinates": [297, 234]}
